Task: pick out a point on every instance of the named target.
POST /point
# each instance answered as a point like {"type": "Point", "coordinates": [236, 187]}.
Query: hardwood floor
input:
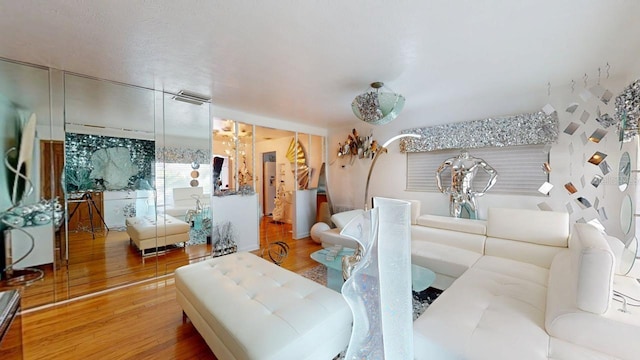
{"type": "Point", "coordinates": [140, 321]}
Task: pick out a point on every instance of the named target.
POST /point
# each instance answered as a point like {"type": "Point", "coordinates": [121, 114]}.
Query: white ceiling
{"type": "Point", "coordinates": [306, 60]}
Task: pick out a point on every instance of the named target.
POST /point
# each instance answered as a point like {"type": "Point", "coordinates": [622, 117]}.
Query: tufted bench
{"type": "Point", "coordinates": [248, 308]}
{"type": "Point", "coordinates": [146, 235]}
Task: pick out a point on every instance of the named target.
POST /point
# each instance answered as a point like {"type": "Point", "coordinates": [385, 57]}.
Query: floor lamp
{"type": "Point", "coordinates": [383, 149]}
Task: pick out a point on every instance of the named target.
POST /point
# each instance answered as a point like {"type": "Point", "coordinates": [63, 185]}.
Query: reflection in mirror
{"type": "Point", "coordinates": [233, 148]}
{"type": "Point", "coordinates": [184, 181]}
{"type": "Point", "coordinates": [624, 171]}
{"type": "Point", "coordinates": [274, 184]}
{"type": "Point", "coordinates": [29, 210]}
{"type": "Point", "coordinates": [626, 214]}
{"type": "Point", "coordinates": [109, 183]}
{"type": "Point", "coordinates": [597, 135]}
{"type": "Point", "coordinates": [296, 155]}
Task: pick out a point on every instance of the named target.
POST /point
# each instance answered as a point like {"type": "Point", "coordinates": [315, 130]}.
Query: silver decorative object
{"type": "Point", "coordinates": [463, 170]}
{"type": "Point", "coordinates": [572, 108]}
{"type": "Point", "coordinates": [605, 120]}
{"type": "Point", "coordinates": [377, 107]}
{"type": "Point", "coordinates": [628, 110]}
{"type": "Point", "coordinates": [524, 129]}
{"type": "Point", "coordinates": [223, 239]}
{"type": "Point", "coordinates": [545, 188]}
{"type": "Point", "coordinates": [597, 135]}
{"type": "Point", "coordinates": [544, 206]}
{"type": "Point", "coordinates": [584, 117]}
{"type": "Point", "coordinates": [571, 128]}
{"type": "Point", "coordinates": [605, 168]}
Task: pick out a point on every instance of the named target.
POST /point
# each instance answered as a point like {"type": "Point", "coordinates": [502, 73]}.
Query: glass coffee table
{"type": "Point", "coordinates": [421, 277]}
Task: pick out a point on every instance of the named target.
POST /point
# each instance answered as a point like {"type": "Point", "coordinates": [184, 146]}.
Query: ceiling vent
{"type": "Point", "coordinates": [191, 97]}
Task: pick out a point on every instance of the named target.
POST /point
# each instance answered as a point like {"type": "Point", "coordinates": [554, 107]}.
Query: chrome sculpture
{"type": "Point", "coordinates": [461, 194]}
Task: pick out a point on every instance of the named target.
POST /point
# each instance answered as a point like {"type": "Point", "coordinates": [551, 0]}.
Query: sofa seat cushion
{"type": "Point", "coordinates": [486, 314]}
{"type": "Point", "coordinates": [147, 227]}
{"type": "Point", "coordinates": [455, 224]}
{"type": "Point", "coordinates": [253, 309]}
{"type": "Point", "coordinates": [442, 259]}
{"type": "Point", "coordinates": [560, 349]}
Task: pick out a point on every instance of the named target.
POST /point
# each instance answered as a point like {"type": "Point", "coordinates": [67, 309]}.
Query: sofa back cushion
{"type": "Point", "coordinates": [478, 227]}
{"type": "Point", "coordinates": [532, 226]}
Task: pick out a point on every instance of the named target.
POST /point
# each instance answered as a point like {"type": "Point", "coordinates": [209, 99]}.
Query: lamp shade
{"type": "Point", "coordinates": [376, 106]}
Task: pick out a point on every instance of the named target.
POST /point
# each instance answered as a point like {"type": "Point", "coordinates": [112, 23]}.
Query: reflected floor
{"type": "Point", "coordinates": [110, 260]}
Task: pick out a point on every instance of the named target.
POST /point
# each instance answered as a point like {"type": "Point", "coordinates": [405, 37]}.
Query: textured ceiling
{"type": "Point", "coordinates": [305, 60]}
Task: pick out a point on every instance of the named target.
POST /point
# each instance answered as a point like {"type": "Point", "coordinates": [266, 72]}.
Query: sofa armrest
{"type": "Point", "coordinates": [332, 237]}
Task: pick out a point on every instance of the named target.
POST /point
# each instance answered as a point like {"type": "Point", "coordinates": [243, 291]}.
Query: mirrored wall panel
{"type": "Point", "coordinates": [184, 182]}
{"type": "Point", "coordinates": [30, 208]}
{"type": "Point", "coordinates": [109, 184]}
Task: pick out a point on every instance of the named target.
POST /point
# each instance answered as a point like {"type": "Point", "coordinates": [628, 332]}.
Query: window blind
{"type": "Point", "coordinates": [519, 169]}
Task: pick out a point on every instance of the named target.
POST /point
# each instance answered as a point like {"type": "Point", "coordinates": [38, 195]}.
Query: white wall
{"type": "Point", "coordinates": [347, 180]}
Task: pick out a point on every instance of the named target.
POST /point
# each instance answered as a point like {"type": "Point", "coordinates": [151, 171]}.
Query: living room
{"type": "Point", "coordinates": [297, 68]}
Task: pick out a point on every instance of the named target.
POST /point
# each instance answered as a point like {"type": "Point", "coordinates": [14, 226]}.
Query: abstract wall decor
{"type": "Point", "coordinates": [79, 167]}
{"type": "Point", "coordinates": [524, 129]}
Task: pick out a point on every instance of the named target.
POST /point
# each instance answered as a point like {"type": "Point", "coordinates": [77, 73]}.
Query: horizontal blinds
{"type": "Point", "coordinates": [519, 169]}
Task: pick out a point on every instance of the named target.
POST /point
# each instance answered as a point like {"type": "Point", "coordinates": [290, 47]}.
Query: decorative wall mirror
{"type": "Point", "coordinates": [30, 222]}
{"type": "Point", "coordinates": [626, 214]}
{"type": "Point", "coordinates": [624, 171]}
{"type": "Point", "coordinates": [109, 178]}
{"type": "Point", "coordinates": [628, 257]}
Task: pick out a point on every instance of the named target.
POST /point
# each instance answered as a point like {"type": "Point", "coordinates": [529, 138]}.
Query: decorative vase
{"type": "Point", "coordinates": [378, 290]}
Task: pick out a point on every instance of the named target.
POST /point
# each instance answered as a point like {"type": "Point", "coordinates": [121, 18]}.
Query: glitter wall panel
{"type": "Point", "coordinates": [524, 129]}
{"type": "Point", "coordinates": [180, 155]}
{"type": "Point", "coordinates": [79, 149]}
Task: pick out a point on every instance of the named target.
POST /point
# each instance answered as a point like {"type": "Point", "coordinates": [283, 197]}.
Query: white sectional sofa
{"type": "Point", "coordinates": [518, 286]}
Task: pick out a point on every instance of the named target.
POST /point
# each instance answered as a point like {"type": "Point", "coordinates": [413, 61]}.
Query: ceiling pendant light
{"type": "Point", "coordinates": [377, 107]}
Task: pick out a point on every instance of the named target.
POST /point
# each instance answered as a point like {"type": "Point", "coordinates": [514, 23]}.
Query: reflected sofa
{"type": "Point", "coordinates": [184, 199]}
{"type": "Point", "coordinates": [519, 285]}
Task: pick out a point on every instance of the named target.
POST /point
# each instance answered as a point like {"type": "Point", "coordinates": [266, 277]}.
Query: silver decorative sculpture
{"type": "Point", "coordinates": [461, 194]}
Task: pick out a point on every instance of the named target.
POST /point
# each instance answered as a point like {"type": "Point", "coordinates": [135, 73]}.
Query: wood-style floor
{"type": "Point", "coordinates": [140, 321]}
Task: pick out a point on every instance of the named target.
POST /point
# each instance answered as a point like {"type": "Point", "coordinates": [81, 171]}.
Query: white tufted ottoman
{"type": "Point", "coordinates": [248, 308]}
{"type": "Point", "coordinates": [146, 235]}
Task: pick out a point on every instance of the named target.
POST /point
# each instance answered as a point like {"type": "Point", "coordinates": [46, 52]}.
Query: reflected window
{"type": "Point", "coordinates": [178, 175]}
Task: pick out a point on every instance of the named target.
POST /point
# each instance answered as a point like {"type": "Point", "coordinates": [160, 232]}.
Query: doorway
{"type": "Point", "coordinates": [269, 183]}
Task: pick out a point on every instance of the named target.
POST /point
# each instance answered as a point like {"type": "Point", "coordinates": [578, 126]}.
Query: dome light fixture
{"type": "Point", "coordinates": [377, 107]}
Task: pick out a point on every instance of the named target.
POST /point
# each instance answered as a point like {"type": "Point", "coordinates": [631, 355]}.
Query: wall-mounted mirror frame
{"type": "Point", "coordinates": [624, 171]}
{"type": "Point", "coordinates": [626, 214]}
